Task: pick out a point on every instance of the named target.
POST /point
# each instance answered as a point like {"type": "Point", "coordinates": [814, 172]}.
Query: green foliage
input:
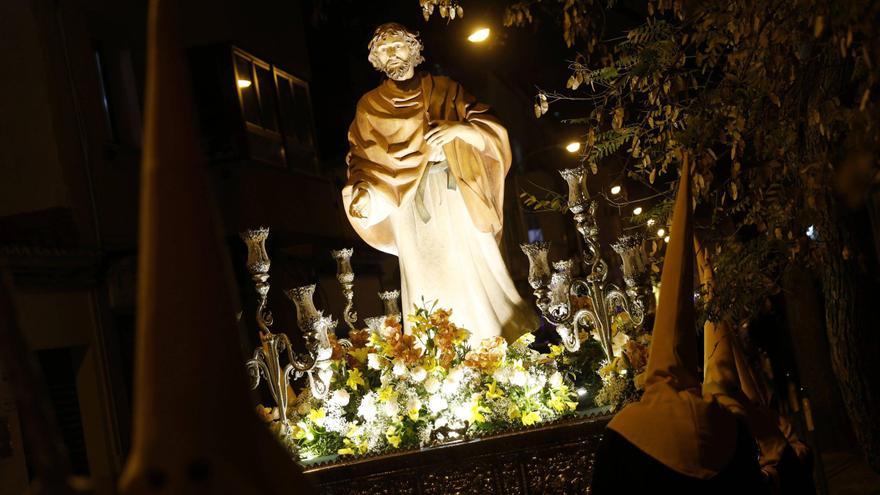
{"type": "Point", "coordinates": [768, 101]}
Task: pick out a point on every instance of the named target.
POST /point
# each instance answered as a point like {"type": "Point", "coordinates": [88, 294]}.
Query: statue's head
{"type": "Point", "coordinates": [396, 51]}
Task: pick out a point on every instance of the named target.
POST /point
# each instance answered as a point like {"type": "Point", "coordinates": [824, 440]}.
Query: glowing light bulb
{"type": "Point", "coordinates": [244, 83]}
{"type": "Point", "coordinates": [666, 239]}
{"type": "Point", "coordinates": [637, 210]}
{"type": "Point", "coordinates": [615, 190]}
{"type": "Point", "coordinates": [651, 221]}
{"type": "Point", "coordinates": [479, 36]}
{"type": "Point", "coordinates": [661, 232]}
{"type": "Point", "coordinates": [573, 147]}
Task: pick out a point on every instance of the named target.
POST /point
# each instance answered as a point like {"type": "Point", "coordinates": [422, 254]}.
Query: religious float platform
{"type": "Point", "coordinates": [553, 458]}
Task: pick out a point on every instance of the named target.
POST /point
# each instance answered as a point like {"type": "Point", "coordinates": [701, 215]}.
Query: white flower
{"type": "Point", "coordinates": [340, 397]}
{"type": "Point", "coordinates": [385, 378]}
{"type": "Point", "coordinates": [450, 387]}
{"type": "Point", "coordinates": [502, 374]}
{"type": "Point", "coordinates": [367, 408]}
{"type": "Point", "coordinates": [518, 378]}
{"type": "Point", "coordinates": [463, 412]}
{"type": "Point", "coordinates": [437, 403]}
{"type": "Point", "coordinates": [432, 385]}
{"type": "Point", "coordinates": [618, 342]}
{"type": "Point", "coordinates": [418, 374]}
{"type": "Point", "coordinates": [373, 361]}
{"type": "Point", "coordinates": [391, 408]}
{"type": "Point", "coordinates": [399, 368]}
{"type": "Point", "coordinates": [413, 404]}
{"type": "Point", "coordinates": [456, 374]}
{"type": "Point", "coordinates": [556, 380]}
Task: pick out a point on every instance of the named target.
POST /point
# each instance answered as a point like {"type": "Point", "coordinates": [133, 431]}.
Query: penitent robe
{"type": "Point", "coordinates": [439, 211]}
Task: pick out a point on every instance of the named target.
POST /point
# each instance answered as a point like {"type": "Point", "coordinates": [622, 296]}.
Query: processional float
{"type": "Point", "coordinates": [557, 294]}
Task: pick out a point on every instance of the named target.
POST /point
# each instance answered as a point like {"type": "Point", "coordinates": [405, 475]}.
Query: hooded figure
{"type": "Point", "coordinates": [194, 427]}
{"type": "Point", "coordinates": [676, 437]}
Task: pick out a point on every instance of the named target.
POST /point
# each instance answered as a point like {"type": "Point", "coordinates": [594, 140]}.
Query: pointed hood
{"type": "Point", "coordinates": [720, 379]}
{"type": "Point", "coordinates": [764, 422]}
{"type": "Point", "coordinates": [727, 376]}
{"type": "Point", "coordinates": [672, 422]}
{"type": "Point", "coordinates": [194, 426]}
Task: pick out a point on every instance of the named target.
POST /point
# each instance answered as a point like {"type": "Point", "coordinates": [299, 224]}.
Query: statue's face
{"type": "Point", "coordinates": [395, 57]}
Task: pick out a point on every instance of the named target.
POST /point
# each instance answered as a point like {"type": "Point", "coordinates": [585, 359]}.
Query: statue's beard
{"type": "Point", "coordinates": [397, 71]}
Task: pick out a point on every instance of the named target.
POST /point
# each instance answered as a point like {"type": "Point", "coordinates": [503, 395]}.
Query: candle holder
{"type": "Point", "coordinates": [389, 300]}
{"type": "Point", "coordinates": [345, 277]}
{"type": "Point", "coordinates": [555, 291]}
{"type": "Point", "coordinates": [634, 258]}
{"type": "Point", "coordinates": [258, 264]}
{"type": "Point", "coordinates": [275, 360]}
{"type": "Point", "coordinates": [539, 271]}
{"type": "Point", "coordinates": [306, 313]}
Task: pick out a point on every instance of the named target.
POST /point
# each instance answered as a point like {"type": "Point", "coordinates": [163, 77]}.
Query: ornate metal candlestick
{"type": "Point", "coordinates": [631, 249]}
{"type": "Point", "coordinates": [345, 276]}
{"type": "Point", "coordinates": [539, 270]}
{"type": "Point", "coordinates": [555, 291]}
{"type": "Point", "coordinates": [389, 300]}
{"type": "Point", "coordinates": [266, 362]}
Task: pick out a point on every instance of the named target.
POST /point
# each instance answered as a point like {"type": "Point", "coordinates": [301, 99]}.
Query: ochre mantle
{"type": "Point", "coordinates": [551, 459]}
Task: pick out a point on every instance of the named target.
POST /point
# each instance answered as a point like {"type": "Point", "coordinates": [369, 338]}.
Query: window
{"type": "Point", "coordinates": [296, 117]}
{"type": "Point", "coordinates": [277, 112]}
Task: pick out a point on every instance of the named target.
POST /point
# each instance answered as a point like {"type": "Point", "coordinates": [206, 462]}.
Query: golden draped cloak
{"type": "Point", "coordinates": [389, 153]}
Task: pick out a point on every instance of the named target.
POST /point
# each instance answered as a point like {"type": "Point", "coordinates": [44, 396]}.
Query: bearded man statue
{"type": "Point", "coordinates": [426, 175]}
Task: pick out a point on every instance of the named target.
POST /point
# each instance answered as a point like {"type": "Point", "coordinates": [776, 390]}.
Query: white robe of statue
{"type": "Point", "coordinates": [426, 173]}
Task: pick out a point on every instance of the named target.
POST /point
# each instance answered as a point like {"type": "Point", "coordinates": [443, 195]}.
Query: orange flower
{"type": "Point", "coordinates": [402, 346]}
{"type": "Point", "coordinates": [358, 338]}
{"type": "Point", "coordinates": [488, 355]}
{"type": "Point", "coordinates": [338, 352]}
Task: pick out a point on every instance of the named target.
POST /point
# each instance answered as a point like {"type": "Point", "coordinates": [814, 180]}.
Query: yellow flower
{"type": "Point", "coordinates": [394, 440]}
{"type": "Point", "coordinates": [492, 391]}
{"type": "Point", "coordinates": [345, 451]}
{"type": "Point", "coordinates": [316, 415]}
{"type": "Point", "coordinates": [525, 339]}
{"type": "Point", "coordinates": [354, 379]}
{"type": "Point", "coordinates": [513, 412]}
{"type": "Point", "coordinates": [359, 354]}
{"type": "Point", "coordinates": [386, 394]}
{"type": "Point", "coordinates": [557, 403]}
{"type": "Point", "coordinates": [556, 350]}
{"type": "Point", "coordinates": [413, 414]}
{"type": "Point", "coordinates": [530, 418]}
{"type": "Point", "coordinates": [477, 412]}
{"type": "Point", "coordinates": [298, 431]}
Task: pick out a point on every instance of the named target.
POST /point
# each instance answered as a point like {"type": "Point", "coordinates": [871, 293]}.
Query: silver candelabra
{"type": "Point", "coordinates": [275, 360]}
{"type": "Point", "coordinates": [556, 290]}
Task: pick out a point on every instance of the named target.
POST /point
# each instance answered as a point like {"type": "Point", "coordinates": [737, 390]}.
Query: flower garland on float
{"type": "Point", "coordinates": [392, 390]}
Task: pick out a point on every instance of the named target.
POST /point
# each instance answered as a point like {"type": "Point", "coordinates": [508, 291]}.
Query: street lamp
{"type": "Point", "coordinates": [480, 35]}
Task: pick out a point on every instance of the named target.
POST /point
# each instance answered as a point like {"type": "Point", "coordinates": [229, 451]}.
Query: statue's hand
{"type": "Point", "coordinates": [445, 131]}
{"type": "Point", "coordinates": [360, 202]}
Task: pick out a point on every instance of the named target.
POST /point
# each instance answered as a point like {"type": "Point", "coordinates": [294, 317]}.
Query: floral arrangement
{"type": "Point", "coordinates": [622, 376]}
{"type": "Point", "coordinates": [396, 390]}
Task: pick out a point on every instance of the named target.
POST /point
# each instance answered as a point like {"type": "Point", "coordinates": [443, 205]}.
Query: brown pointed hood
{"type": "Point", "coordinates": [720, 379]}
{"type": "Point", "coordinates": [765, 423]}
{"type": "Point", "coordinates": [194, 427]}
{"type": "Point", "coordinates": [727, 376]}
{"type": "Point", "coordinates": [672, 422]}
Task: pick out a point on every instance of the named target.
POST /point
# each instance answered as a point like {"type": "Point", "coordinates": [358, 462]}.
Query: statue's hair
{"type": "Point", "coordinates": [390, 29]}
